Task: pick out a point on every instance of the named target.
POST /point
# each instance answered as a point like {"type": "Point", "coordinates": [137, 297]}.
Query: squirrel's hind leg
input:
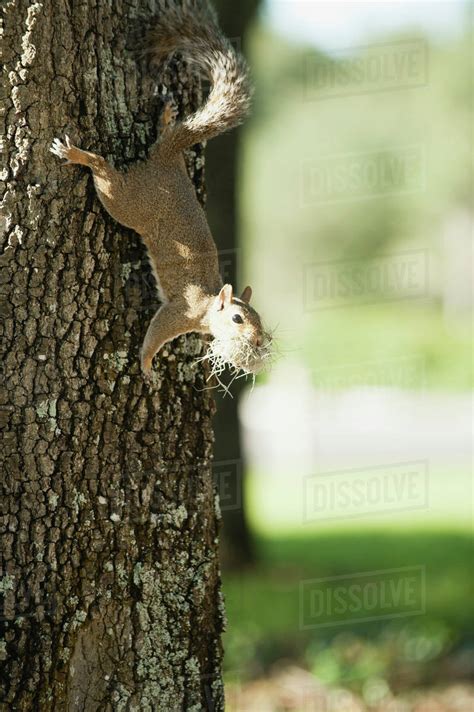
{"type": "Point", "coordinates": [168, 116]}
{"type": "Point", "coordinates": [73, 154]}
{"type": "Point", "coordinates": [166, 126]}
{"type": "Point", "coordinates": [117, 191]}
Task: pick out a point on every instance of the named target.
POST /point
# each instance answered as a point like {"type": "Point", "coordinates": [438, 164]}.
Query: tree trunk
{"type": "Point", "coordinates": [109, 570]}
{"type": "Point", "coordinates": [237, 545]}
{"type": "Point", "coordinates": [223, 162]}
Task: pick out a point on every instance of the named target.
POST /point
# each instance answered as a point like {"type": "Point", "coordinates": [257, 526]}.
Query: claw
{"type": "Point", "coordinates": [60, 150]}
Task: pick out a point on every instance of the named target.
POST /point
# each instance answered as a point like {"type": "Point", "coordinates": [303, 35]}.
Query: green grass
{"type": "Point", "coordinates": [264, 604]}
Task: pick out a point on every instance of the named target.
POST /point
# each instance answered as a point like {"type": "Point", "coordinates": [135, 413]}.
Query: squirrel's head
{"type": "Point", "coordinates": [239, 337]}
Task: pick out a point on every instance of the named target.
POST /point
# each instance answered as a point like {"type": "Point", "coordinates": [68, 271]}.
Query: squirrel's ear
{"type": "Point", "coordinates": [225, 295]}
{"type": "Point", "coordinates": [246, 294]}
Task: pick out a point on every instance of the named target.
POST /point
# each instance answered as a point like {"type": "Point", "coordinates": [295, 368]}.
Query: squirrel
{"type": "Point", "coordinates": [156, 198]}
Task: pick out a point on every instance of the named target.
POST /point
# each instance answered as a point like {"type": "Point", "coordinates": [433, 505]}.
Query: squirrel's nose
{"type": "Point", "coordinates": [258, 341]}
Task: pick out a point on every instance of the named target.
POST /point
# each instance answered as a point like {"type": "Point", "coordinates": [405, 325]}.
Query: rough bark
{"type": "Point", "coordinates": [109, 571]}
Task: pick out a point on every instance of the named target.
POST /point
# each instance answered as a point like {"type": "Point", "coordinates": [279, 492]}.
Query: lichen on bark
{"type": "Point", "coordinates": [109, 572]}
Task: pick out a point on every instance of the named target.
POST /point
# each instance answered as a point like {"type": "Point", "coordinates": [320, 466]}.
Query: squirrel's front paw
{"type": "Point", "coordinates": [63, 150]}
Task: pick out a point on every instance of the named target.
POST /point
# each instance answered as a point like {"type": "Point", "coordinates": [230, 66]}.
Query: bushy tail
{"type": "Point", "coordinates": [192, 29]}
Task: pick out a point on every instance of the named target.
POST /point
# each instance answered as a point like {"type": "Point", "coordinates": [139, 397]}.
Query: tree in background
{"type": "Point", "coordinates": [223, 213]}
{"type": "Point", "coordinates": [109, 572]}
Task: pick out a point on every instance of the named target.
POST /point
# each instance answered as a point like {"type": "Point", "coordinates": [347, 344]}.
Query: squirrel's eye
{"type": "Point", "coordinates": [237, 318]}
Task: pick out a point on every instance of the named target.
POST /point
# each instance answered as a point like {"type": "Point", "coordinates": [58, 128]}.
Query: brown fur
{"type": "Point", "coordinates": [157, 198]}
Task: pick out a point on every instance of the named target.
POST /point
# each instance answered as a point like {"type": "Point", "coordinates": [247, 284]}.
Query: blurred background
{"type": "Point", "coordinates": [345, 473]}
